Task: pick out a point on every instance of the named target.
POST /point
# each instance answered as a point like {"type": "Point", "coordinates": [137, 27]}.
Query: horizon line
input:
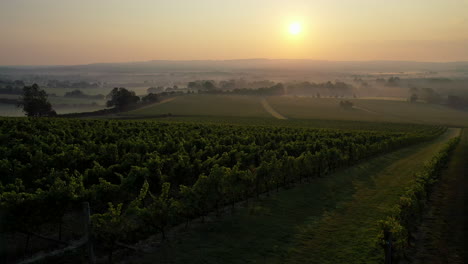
{"type": "Point", "coordinates": [222, 60]}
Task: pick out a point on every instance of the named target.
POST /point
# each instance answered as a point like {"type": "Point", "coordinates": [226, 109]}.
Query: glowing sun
{"type": "Point", "coordinates": [295, 28]}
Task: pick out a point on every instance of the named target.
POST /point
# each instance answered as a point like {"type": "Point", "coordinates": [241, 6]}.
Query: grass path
{"type": "Point", "coordinates": [329, 220]}
{"type": "Point", "coordinates": [443, 236]}
{"type": "Point", "coordinates": [354, 224]}
{"type": "Point", "coordinates": [365, 110]}
{"type": "Point", "coordinates": [270, 109]}
{"type": "Point", "coordinates": [167, 100]}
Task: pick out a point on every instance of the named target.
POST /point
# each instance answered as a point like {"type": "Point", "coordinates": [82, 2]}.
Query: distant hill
{"type": "Point", "coordinates": [246, 65]}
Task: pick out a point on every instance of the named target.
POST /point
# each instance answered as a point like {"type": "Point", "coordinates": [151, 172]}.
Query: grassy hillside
{"type": "Point", "coordinates": [330, 220]}
{"type": "Point", "coordinates": [206, 105]}
{"type": "Point", "coordinates": [292, 108]}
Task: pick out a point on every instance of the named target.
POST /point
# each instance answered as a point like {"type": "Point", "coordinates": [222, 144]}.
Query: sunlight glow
{"type": "Point", "coordinates": [295, 28]}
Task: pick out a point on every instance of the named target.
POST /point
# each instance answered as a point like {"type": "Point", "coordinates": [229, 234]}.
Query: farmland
{"type": "Point", "coordinates": [188, 169]}
{"type": "Point", "coordinates": [209, 105]}
{"type": "Point", "coordinates": [302, 108]}
{"type": "Point", "coordinates": [234, 132]}
{"type": "Point", "coordinates": [227, 166]}
{"type": "Point", "coordinates": [369, 110]}
{"type": "Point", "coordinates": [329, 220]}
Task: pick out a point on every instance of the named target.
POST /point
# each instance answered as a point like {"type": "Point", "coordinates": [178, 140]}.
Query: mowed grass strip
{"type": "Point", "coordinates": [347, 235]}
{"type": "Point", "coordinates": [329, 220]}
{"type": "Point", "coordinates": [206, 105]}
{"type": "Point", "coordinates": [443, 235]}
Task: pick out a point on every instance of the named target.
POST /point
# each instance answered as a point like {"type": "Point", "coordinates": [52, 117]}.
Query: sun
{"type": "Point", "coordinates": [295, 28]}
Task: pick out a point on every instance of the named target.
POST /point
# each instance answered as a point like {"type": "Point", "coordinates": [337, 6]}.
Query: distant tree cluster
{"type": "Point", "coordinates": [457, 102]}
{"type": "Point", "coordinates": [361, 82]}
{"type": "Point", "coordinates": [11, 87]}
{"type": "Point", "coordinates": [155, 90]}
{"type": "Point", "coordinates": [346, 104]}
{"type": "Point", "coordinates": [79, 94]}
{"type": "Point", "coordinates": [161, 89]}
{"type": "Point", "coordinates": [393, 82]}
{"type": "Point", "coordinates": [277, 89]}
{"type": "Point", "coordinates": [35, 103]}
{"type": "Point", "coordinates": [413, 98]}
{"type": "Point", "coordinates": [70, 84]}
{"type": "Point", "coordinates": [150, 98]}
{"type": "Point", "coordinates": [336, 89]}
{"type": "Point", "coordinates": [122, 99]}
{"type": "Point", "coordinates": [426, 94]}
{"type": "Point", "coordinates": [390, 82]}
{"type": "Point", "coordinates": [203, 85]}
{"type": "Point", "coordinates": [244, 84]}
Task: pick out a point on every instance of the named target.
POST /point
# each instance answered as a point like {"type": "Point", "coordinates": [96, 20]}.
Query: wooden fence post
{"type": "Point", "coordinates": [87, 226]}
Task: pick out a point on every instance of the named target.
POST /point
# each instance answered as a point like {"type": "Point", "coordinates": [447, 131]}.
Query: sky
{"type": "Point", "coordinates": [66, 32]}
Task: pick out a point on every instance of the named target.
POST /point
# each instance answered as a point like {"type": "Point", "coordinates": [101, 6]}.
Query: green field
{"type": "Point", "coordinates": [368, 110]}
{"type": "Point", "coordinates": [302, 108]}
{"type": "Point", "coordinates": [330, 220]}
{"type": "Point", "coordinates": [206, 105]}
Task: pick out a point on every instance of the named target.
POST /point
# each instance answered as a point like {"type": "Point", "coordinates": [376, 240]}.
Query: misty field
{"type": "Point", "coordinates": [295, 108]}
{"type": "Point", "coordinates": [368, 110]}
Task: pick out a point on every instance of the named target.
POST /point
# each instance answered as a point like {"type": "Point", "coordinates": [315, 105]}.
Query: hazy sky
{"type": "Point", "coordinates": [87, 31]}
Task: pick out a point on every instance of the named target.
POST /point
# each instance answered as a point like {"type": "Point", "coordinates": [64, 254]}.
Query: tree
{"type": "Point", "coordinates": [150, 98]}
{"type": "Point", "coordinates": [155, 90]}
{"type": "Point", "coordinates": [430, 96]}
{"type": "Point", "coordinates": [456, 101]}
{"type": "Point", "coordinates": [194, 85]}
{"type": "Point", "coordinates": [346, 104]}
{"type": "Point", "coordinates": [209, 85]}
{"type": "Point", "coordinates": [34, 102]}
{"type": "Point", "coordinates": [393, 82]}
{"type": "Point", "coordinates": [121, 98]}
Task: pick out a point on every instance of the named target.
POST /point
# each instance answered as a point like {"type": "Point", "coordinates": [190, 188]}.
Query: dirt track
{"type": "Point", "coordinates": [270, 109]}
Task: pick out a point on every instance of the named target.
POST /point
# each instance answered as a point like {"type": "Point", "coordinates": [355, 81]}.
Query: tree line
{"type": "Point", "coordinates": [34, 100]}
